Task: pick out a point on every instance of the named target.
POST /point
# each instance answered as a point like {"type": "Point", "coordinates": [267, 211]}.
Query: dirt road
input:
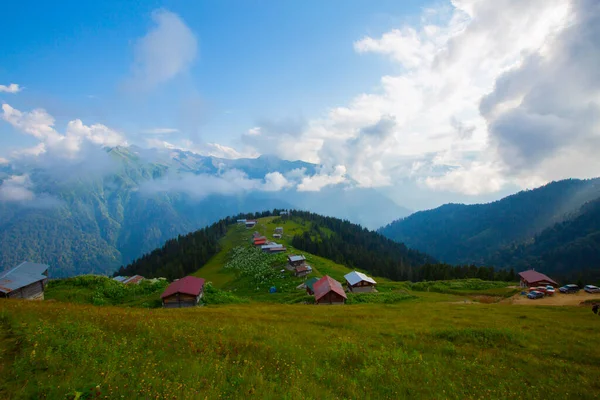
{"type": "Point", "coordinates": [558, 299]}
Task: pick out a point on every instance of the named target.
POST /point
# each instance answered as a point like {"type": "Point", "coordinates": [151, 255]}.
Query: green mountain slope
{"type": "Point", "coordinates": [458, 233]}
{"type": "Point", "coordinates": [95, 217]}
{"type": "Point", "coordinates": [569, 249]}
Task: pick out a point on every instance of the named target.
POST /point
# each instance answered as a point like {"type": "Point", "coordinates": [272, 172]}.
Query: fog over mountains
{"type": "Point", "coordinates": [95, 215]}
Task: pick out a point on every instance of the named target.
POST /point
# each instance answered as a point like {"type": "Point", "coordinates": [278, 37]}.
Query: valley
{"type": "Point", "coordinates": [426, 339]}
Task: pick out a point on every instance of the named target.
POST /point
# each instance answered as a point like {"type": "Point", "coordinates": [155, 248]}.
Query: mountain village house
{"type": "Point", "coordinates": [277, 235]}
{"type": "Point", "coordinates": [184, 292]}
{"type": "Point", "coordinates": [296, 261]}
{"type": "Point", "coordinates": [279, 230]}
{"type": "Point", "coordinates": [329, 291]}
{"type": "Point", "coordinates": [309, 285]}
{"type": "Point", "coordinates": [533, 278]}
{"type": "Point", "coordinates": [25, 281]}
{"type": "Point", "coordinates": [260, 241]}
{"type": "Point", "coordinates": [129, 280]}
{"type": "Point", "coordinates": [302, 270]}
{"type": "Point", "coordinates": [358, 282]}
{"type": "Point", "coordinates": [250, 223]}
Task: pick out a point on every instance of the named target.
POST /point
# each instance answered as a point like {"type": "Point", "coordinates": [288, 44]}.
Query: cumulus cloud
{"type": "Point", "coordinates": [70, 145]}
{"type": "Point", "coordinates": [167, 50]}
{"type": "Point", "coordinates": [323, 178]}
{"type": "Point", "coordinates": [229, 182]}
{"type": "Point", "coordinates": [428, 122]}
{"type": "Point", "coordinates": [3, 161]}
{"type": "Point", "coordinates": [12, 88]}
{"type": "Point", "coordinates": [16, 189]}
{"type": "Point", "coordinates": [547, 108]}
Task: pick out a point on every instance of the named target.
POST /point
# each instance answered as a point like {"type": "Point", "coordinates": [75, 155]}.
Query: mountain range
{"type": "Point", "coordinates": [555, 228]}
{"type": "Point", "coordinates": [95, 217]}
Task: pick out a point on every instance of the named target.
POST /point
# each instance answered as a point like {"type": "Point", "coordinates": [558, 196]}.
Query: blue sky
{"type": "Point", "coordinates": [427, 101]}
{"type": "Point", "coordinates": [256, 60]}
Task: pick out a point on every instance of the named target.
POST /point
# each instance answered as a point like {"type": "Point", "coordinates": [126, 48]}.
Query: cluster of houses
{"type": "Point", "coordinates": [266, 245]}
{"type": "Point", "coordinates": [329, 291]}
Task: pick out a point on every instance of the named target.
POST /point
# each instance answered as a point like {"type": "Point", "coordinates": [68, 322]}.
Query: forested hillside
{"type": "Point", "coordinates": [350, 244]}
{"type": "Point", "coordinates": [569, 249]}
{"type": "Point", "coordinates": [333, 239]}
{"type": "Point", "coordinates": [184, 254]}
{"type": "Point", "coordinates": [94, 218]}
{"type": "Point", "coordinates": [464, 234]}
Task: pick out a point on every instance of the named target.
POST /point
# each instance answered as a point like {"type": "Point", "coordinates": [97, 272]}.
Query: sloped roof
{"type": "Point", "coordinates": [325, 285]}
{"type": "Point", "coordinates": [534, 276]}
{"type": "Point", "coordinates": [22, 275]}
{"type": "Point", "coordinates": [136, 279]}
{"type": "Point", "coordinates": [304, 268]}
{"type": "Point", "coordinates": [120, 278]}
{"type": "Point", "coordinates": [188, 285]}
{"type": "Point", "coordinates": [293, 258]}
{"type": "Point", "coordinates": [310, 283]}
{"type": "Point", "coordinates": [271, 246]}
{"type": "Point", "coordinates": [354, 277]}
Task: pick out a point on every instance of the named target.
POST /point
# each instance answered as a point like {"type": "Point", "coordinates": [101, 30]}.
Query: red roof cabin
{"type": "Point", "coordinates": [533, 278]}
{"type": "Point", "coordinates": [260, 241]}
{"type": "Point", "coordinates": [328, 291]}
{"type": "Point", "coordinates": [185, 292]}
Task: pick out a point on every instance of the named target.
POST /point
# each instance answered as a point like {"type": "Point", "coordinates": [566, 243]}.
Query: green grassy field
{"type": "Point", "coordinates": [100, 339]}
{"type": "Point", "coordinates": [412, 349]}
{"type": "Point", "coordinates": [214, 271]}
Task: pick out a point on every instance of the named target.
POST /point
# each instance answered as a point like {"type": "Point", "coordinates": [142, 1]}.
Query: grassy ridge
{"type": "Point", "coordinates": [409, 350]}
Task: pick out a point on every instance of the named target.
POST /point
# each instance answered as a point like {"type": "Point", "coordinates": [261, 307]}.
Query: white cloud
{"type": "Point", "coordinates": [274, 182]}
{"type": "Point", "coordinates": [39, 124]}
{"type": "Point", "coordinates": [3, 161]}
{"type": "Point", "coordinates": [475, 179]}
{"type": "Point", "coordinates": [203, 149]}
{"type": "Point", "coordinates": [424, 123]}
{"type": "Point", "coordinates": [324, 178]}
{"type": "Point", "coordinates": [159, 131]}
{"type": "Point", "coordinates": [167, 50]}
{"type": "Point", "coordinates": [229, 182]}
{"type": "Point", "coordinates": [16, 189]}
{"type": "Point", "coordinates": [12, 88]}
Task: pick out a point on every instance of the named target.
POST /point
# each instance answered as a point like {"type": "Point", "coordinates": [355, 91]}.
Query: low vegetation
{"type": "Point", "coordinates": [475, 287]}
{"type": "Point", "coordinates": [101, 290]}
{"type": "Point", "coordinates": [407, 350]}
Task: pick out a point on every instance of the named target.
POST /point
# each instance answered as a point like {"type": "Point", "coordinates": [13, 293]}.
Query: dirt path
{"type": "Point", "coordinates": [558, 299]}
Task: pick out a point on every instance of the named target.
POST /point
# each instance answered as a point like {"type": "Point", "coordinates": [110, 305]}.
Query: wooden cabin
{"type": "Point", "coordinates": [309, 285]}
{"type": "Point", "coordinates": [358, 282]}
{"type": "Point", "coordinates": [250, 223]}
{"type": "Point", "coordinates": [533, 278]}
{"type": "Point", "coordinates": [296, 261]}
{"type": "Point", "coordinates": [133, 280]}
{"type": "Point", "coordinates": [277, 235]}
{"type": "Point", "coordinates": [277, 250]}
{"type": "Point", "coordinates": [302, 270]}
{"type": "Point", "coordinates": [279, 230]}
{"type": "Point", "coordinates": [185, 292]}
{"type": "Point", "coordinates": [328, 291]}
{"type": "Point", "coordinates": [25, 281]}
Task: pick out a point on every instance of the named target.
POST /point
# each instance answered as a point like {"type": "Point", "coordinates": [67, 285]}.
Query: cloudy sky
{"type": "Point", "coordinates": [427, 101]}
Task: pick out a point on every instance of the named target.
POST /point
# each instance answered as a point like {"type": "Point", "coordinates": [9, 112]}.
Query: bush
{"type": "Point", "coordinates": [212, 295]}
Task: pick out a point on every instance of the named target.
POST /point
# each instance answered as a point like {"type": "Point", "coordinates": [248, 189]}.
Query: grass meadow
{"type": "Point", "coordinates": [412, 349]}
